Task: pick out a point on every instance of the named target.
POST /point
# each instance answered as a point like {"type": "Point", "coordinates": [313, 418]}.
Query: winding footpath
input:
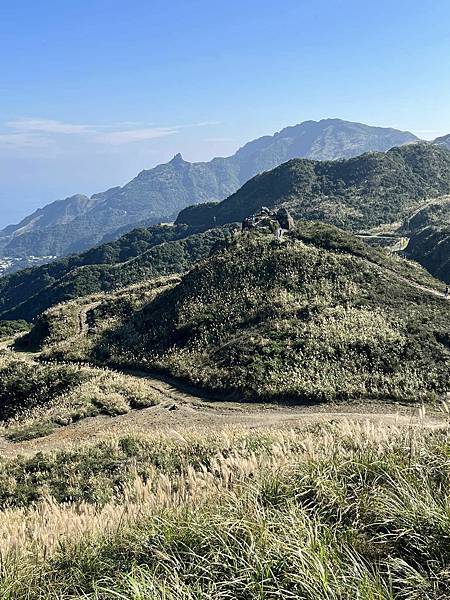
{"type": "Point", "coordinates": [181, 406]}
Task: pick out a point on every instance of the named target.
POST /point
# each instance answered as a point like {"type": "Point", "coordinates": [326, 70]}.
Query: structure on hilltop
{"type": "Point", "coordinates": [275, 220]}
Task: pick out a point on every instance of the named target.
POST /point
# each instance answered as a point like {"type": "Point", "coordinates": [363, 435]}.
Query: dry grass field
{"type": "Point", "coordinates": [322, 509]}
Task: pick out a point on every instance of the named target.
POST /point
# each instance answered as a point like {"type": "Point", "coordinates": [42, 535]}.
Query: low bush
{"type": "Point", "coordinates": [37, 398]}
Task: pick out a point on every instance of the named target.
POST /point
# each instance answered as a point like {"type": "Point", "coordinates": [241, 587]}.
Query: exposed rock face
{"type": "Point", "coordinates": [284, 218]}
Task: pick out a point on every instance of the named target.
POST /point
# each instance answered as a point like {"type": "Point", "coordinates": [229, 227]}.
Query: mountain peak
{"type": "Point", "coordinates": [155, 196]}
{"type": "Point", "coordinates": [177, 159]}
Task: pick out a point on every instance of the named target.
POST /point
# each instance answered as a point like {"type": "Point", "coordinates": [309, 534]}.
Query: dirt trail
{"type": "Point", "coordinates": [423, 288]}
{"type": "Point", "coordinates": [83, 317]}
{"type": "Point", "coordinates": [413, 284]}
{"type": "Point", "coordinates": [174, 418]}
{"type": "Point", "coordinates": [181, 407]}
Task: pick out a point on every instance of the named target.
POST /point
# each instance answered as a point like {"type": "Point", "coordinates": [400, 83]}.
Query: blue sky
{"type": "Point", "coordinates": [94, 91]}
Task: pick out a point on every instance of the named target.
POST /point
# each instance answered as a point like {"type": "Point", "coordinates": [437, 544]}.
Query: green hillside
{"type": "Point", "coordinates": [136, 257]}
{"type": "Point", "coordinates": [319, 317]}
{"type": "Point", "coordinates": [430, 247]}
{"type": "Point", "coordinates": [360, 193]}
{"type": "Point", "coordinates": [428, 230]}
{"type": "Point", "coordinates": [158, 194]}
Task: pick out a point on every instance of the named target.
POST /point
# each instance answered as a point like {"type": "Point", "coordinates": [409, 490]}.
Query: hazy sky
{"type": "Point", "coordinates": [93, 91]}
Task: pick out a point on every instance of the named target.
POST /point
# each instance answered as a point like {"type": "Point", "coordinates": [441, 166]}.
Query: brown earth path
{"type": "Point", "coordinates": [180, 409]}
{"type": "Point", "coordinates": [182, 406]}
{"type": "Point", "coordinates": [413, 284]}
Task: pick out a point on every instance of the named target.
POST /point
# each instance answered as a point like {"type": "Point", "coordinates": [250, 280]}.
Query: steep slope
{"type": "Point", "coordinates": [358, 193]}
{"type": "Point", "coordinates": [60, 212]}
{"type": "Point", "coordinates": [428, 229]}
{"type": "Point", "coordinates": [443, 141]}
{"type": "Point", "coordinates": [430, 247]}
{"type": "Point", "coordinates": [318, 317]}
{"type": "Point", "coordinates": [158, 194]}
{"type": "Point", "coordinates": [434, 212]}
{"type": "Point", "coordinates": [136, 257]}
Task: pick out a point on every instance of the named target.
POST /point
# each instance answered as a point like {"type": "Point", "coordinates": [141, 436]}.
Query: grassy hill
{"type": "Point", "coordinates": [359, 193]}
{"type": "Point", "coordinates": [324, 512]}
{"type": "Point", "coordinates": [135, 257]}
{"type": "Point", "coordinates": [37, 399]}
{"type": "Point", "coordinates": [321, 316]}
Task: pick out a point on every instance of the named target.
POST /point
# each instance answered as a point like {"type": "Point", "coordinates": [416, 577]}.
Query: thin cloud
{"type": "Point", "coordinates": [48, 126]}
{"type": "Point", "coordinates": [36, 132]}
{"type": "Point", "coordinates": [204, 124]}
{"type": "Point", "coordinates": [127, 136]}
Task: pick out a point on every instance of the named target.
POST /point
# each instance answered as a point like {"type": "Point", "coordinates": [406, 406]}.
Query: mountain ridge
{"type": "Point", "coordinates": [361, 192]}
{"type": "Point", "coordinates": [443, 141]}
{"type": "Point", "coordinates": [397, 188]}
{"type": "Point", "coordinates": [158, 194]}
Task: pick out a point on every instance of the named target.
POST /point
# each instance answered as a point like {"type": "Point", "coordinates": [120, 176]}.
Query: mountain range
{"type": "Point", "coordinates": [390, 189]}
{"type": "Point", "coordinates": [157, 195]}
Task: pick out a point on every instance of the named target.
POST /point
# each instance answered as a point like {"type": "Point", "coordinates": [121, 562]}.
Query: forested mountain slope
{"type": "Point", "coordinates": [136, 257]}
{"type": "Point", "coordinates": [158, 194]}
{"type": "Point", "coordinates": [443, 141]}
{"type": "Point", "coordinates": [359, 193]}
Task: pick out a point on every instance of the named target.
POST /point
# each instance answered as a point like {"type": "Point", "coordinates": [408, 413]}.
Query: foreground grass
{"type": "Point", "coordinates": [332, 511]}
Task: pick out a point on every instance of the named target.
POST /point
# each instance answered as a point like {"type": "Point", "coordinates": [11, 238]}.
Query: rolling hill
{"type": "Point", "coordinates": [78, 223]}
{"type": "Point", "coordinates": [368, 190]}
{"type": "Point", "coordinates": [136, 257]}
{"type": "Point", "coordinates": [321, 316]}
